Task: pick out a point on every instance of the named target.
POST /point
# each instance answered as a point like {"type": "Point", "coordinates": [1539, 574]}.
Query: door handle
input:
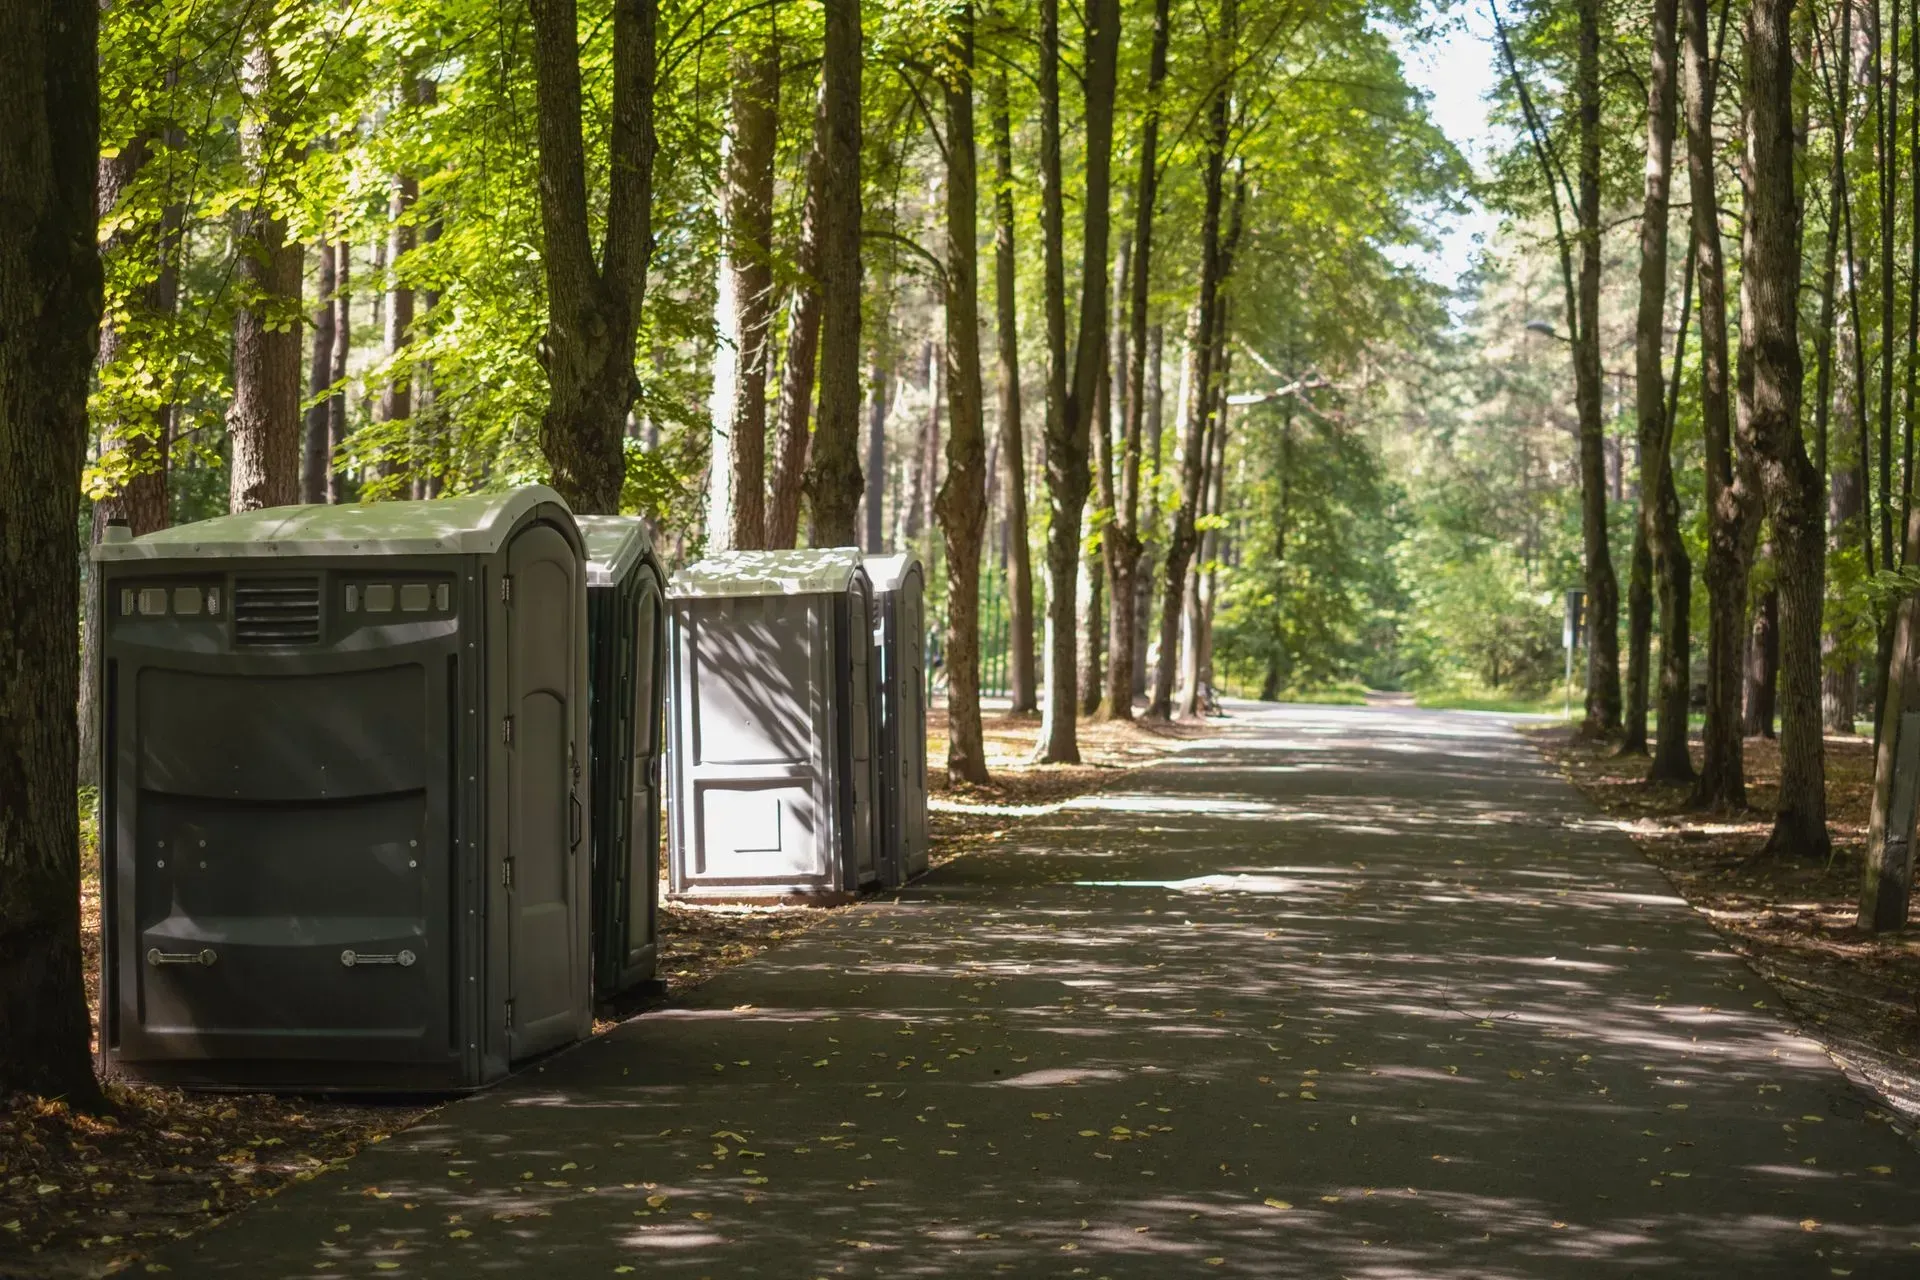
{"type": "Point", "coordinates": [573, 822]}
{"type": "Point", "coordinates": [157, 957]}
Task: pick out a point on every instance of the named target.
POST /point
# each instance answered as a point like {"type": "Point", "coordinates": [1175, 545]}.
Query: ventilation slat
{"type": "Point", "coordinates": [281, 611]}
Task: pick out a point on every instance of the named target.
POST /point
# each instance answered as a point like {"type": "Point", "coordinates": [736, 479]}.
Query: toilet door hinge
{"type": "Point", "coordinates": [506, 590]}
{"type": "Point", "coordinates": [506, 730]}
{"type": "Point", "coordinates": [509, 1014]}
{"type": "Point", "coordinates": [506, 873]}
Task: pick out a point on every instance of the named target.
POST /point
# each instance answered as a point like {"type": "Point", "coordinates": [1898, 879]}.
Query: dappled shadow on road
{"type": "Point", "coordinates": [1345, 993]}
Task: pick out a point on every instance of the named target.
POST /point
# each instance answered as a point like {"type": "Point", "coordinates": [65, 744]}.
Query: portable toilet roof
{"type": "Point", "coordinates": [474, 524]}
{"type": "Point", "coordinates": [887, 571]}
{"type": "Point", "coordinates": [615, 544]}
{"type": "Point", "coordinates": [768, 573]}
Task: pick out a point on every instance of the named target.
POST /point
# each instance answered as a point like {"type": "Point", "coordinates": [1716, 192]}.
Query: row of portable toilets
{"type": "Point", "coordinates": [382, 785]}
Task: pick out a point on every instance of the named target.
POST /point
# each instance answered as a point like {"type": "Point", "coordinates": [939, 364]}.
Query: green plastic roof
{"type": "Point", "coordinates": [769, 573]}
{"type": "Point", "coordinates": [475, 524]}
{"type": "Point", "coordinates": [888, 572]}
{"type": "Point", "coordinates": [614, 545]}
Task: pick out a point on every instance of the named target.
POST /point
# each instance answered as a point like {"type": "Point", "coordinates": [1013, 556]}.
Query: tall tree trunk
{"type": "Point", "coordinates": [796, 373]}
{"type": "Point", "coordinates": [1659, 502]}
{"type": "Point", "coordinates": [1070, 401]}
{"type": "Point", "coordinates": [1197, 379]}
{"type": "Point", "coordinates": [1091, 602]}
{"type": "Point", "coordinates": [1770, 282]}
{"type": "Point", "coordinates": [1150, 518]}
{"type": "Point", "coordinates": [1886, 880]}
{"type": "Point", "coordinates": [263, 421]}
{"type": "Point", "coordinates": [314, 462]}
{"type": "Point", "coordinates": [1021, 688]}
{"type": "Point", "coordinates": [1633, 716]}
{"type": "Point", "coordinates": [50, 303]}
{"type": "Point", "coordinates": [1886, 90]}
{"type": "Point", "coordinates": [962, 504]}
{"type": "Point", "coordinates": [593, 306]}
{"type": "Point", "coordinates": [833, 475]}
{"type": "Point", "coordinates": [396, 392]}
{"type": "Point", "coordinates": [1122, 539]}
{"type": "Point", "coordinates": [739, 520]}
{"type": "Point", "coordinates": [879, 376]}
{"type": "Point", "coordinates": [1603, 603]}
{"type": "Point", "coordinates": [1840, 675]}
{"type": "Point", "coordinates": [337, 373]}
{"type": "Point", "coordinates": [1730, 503]}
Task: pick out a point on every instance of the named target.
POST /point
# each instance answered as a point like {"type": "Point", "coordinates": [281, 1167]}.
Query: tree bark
{"type": "Point", "coordinates": [739, 521]}
{"type": "Point", "coordinates": [50, 305]}
{"type": "Point", "coordinates": [1603, 604]}
{"type": "Point", "coordinates": [263, 421]}
{"type": "Point", "coordinates": [1840, 676]}
{"type": "Point", "coordinates": [593, 307]}
{"type": "Point", "coordinates": [1070, 401]}
{"type": "Point", "coordinates": [1886, 881]}
{"type": "Point", "coordinates": [1770, 281]}
{"type": "Point", "coordinates": [1633, 716]}
{"type": "Point", "coordinates": [1021, 689]}
{"type": "Point", "coordinates": [337, 375]}
{"type": "Point", "coordinates": [876, 479]}
{"type": "Point", "coordinates": [833, 475]}
{"type": "Point", "coordinates": [797, 373]}
{"type": "Point", "coordinates": [1198, 378]}
{"type": "Point", "coordinates": [1659, 501]}
{"type": "Point", "coordinates": [1122, 538]}
{"type": "Point", "coordinates": [1090, 604]}
{"type": "Point", "coordinates": [1722, 783]}
{"type": "Point", "coordinates": [962, 504]}
{"type": "Point", "coordinates": [314, 463]}
{"type": "Point", "coordinates": [1150, 517]}
{"type": "Point", "coordinates": [396, 391]}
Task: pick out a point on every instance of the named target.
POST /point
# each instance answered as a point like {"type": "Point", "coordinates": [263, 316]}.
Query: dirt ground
{"type": "Point", "coordinates": [1793, 920]}
{"type": "Point", "coordinates": [85, 1195]}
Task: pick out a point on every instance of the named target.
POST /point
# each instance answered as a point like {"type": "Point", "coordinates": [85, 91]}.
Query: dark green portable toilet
{"type": "Point", "coordinates": [899, 593]}
{"type": "Point", "coordinates": [626, 640]}
{"type": "Point", "coordinates": [772, 727]}
{"type": "Point", "coordinates": [342, 795]}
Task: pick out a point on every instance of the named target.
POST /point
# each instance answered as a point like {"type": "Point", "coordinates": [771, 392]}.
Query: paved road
{"type": "Point", "coordinates": [1362, 993]}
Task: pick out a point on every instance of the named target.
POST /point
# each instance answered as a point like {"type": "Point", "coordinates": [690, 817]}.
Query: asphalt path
{"type": "Point", "coordinates": [1343, 992]}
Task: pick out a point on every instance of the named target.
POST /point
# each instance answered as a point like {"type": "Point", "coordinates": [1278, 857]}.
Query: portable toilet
{"type": "Point", "coordinates": [772, 726]}
{"type": "Point", "coordinates": [342, 798]}
{"type": "Point", "coordinates": [626, 643]}
{"type": "Point", "coordinates": [899, 593]}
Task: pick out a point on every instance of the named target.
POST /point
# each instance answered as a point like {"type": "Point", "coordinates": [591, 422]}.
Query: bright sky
{"type": "Point", "coordinates": [1458, 69]}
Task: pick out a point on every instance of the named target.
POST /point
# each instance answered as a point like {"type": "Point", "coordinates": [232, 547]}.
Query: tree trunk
{"type": "Point", "coordinates": [1763, 664]}
{"type": "Point", "coordinates": [1150, 518]}
{"type": "Point", "coordinates": [1659, 502]}
{"type": "Point", "coordinates": [1840, 676]}
{"type": "Point", "coordinates": [1122, 538]}
{"type": "Point", "coordinates": [50, 304]}
{"type": "Point", "coordinates": [1020, 669]}
{"type": "Point", "coordinates": [876, 478]}
{"type": "Point", "coordinates": [833, 475]}
{"type": "Point", "coordinates": [593, 306]}
{"type": "Point", "coordinates": [314, 462]}
{"type": "Point", "coordinates": [1770, 282]}
{"type": "Point", "coordinates": [796, 374]}
{"type": "Point", "coordinates": [962, 504]}
{"type": "Point", "coordinates": [1091, 604]}
{"type": "Point", "coordinates": [1633, 717]}
{"type": "Point", "coordinates": [1603, 605]}
{"type": "Point", "coordinates": [337, 373]}
{"type": "Point", "coordinates": [396, 392]}
{"type": "Point", "coordinates": [739, 519]}
{"type": "Point", "coordinates": [1198, 378]}
{"type": "Point", "coordinates": [1070, 401]}
{"type": "Point", "coordinates": [909, 512]}
{"type": "Point", "coordinates": [1722, 784]}
{"type": "Point", "coordinates": [263, 421]}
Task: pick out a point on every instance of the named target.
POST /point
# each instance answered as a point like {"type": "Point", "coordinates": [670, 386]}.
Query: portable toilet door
{"type": "Point", "coordinates": [861, 726]}
{"type": "Point", "coordinates": [900, 600]}
{"type": "Point", "coordinates": [771, 746]}
{"type": "Point", "coordinates": [627, 626]}
{"type": "Point", "coordinates": [542, 603]}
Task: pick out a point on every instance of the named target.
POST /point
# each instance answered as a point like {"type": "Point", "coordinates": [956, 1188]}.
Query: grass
{"type": "Point", "coordinates": [1471, 698]}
